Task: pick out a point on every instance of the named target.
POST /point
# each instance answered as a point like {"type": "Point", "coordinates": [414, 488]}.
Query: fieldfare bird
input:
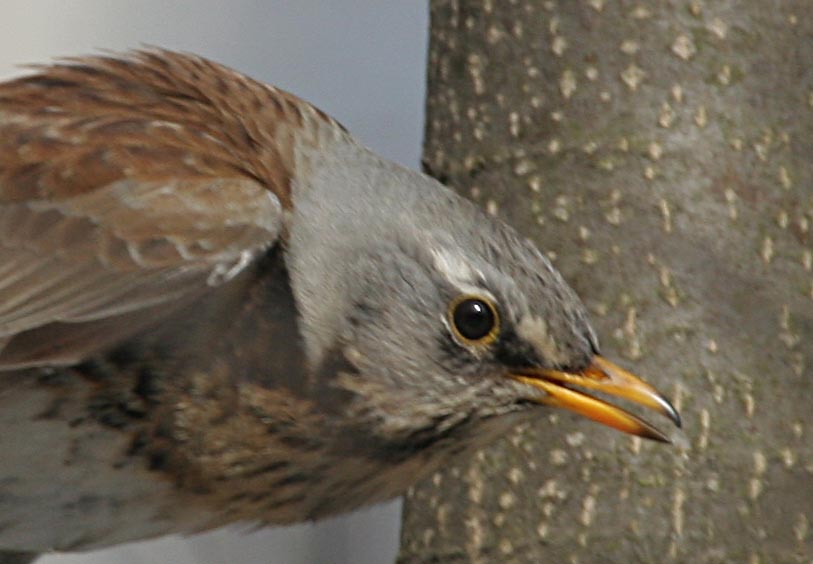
{"type": "Point", "coordinates": [217, 306]}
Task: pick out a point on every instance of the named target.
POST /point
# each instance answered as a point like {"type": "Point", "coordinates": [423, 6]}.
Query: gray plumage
{"type": "Point", "coordinates": [216, 306]}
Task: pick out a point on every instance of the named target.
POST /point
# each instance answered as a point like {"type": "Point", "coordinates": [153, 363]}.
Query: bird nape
{"type": "Point", "coordinates": [217, 306]}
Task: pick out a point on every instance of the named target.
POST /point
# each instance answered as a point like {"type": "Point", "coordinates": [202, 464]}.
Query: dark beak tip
{"type": "Point", "coordinates": [650, 432]}
{"type": "Point", "coordinates": [672, 413]}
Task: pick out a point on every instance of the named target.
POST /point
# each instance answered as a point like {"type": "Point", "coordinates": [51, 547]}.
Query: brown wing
{"type": "Point", "coordinates": [128, 184]}
{"type": "Point", "coordinates": [126, 246]}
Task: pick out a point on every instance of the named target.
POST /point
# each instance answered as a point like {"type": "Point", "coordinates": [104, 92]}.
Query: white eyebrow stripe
{"type": "Point", "coordinates": [453, 267]}
{"type": "Point", "coordinates": [460, 274]}
{"type": "Point", "coordinates": [459, 271]}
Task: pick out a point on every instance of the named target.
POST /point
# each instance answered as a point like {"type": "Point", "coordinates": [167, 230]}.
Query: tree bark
{"type": "Point", "coordinates": [661, 153]}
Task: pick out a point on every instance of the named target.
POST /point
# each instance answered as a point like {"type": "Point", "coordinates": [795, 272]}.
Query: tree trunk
{"type": "Point", "coordinates": [661, 153]}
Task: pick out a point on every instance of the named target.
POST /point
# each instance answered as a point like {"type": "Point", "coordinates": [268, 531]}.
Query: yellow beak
{"type": "Point", "coordinates": [603, 376]}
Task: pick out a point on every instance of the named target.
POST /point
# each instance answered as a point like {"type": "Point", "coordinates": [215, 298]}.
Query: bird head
{"type": "Point", "coordinates": [448, 326]}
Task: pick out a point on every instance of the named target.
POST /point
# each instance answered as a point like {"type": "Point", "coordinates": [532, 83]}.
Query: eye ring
{"type": "Point", "coordinates": [474, 320]}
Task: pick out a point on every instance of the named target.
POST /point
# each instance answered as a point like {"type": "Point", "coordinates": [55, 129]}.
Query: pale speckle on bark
{"type": "Point", "coordinates": [700, 117]}
{"type": "Point", "coordinates": [567, 84]}
{"type": "Point", "coordinates": [640, 12]}
{"type": "Point", "coordinates": [666, 212]}
{"type": "Point", "coordinates": [667, 116]}
{"type": "Point", "coordinates": [629, 47]}
{"type": "Point", "coordinates": [677, 93]}
{"type": "Point", "coordinates": [633, 76]}
{"type": "Point", "coordinates": [718, 27]}
{"type": "Point", "coordinates": [767, 249]}
{"type": "Point", "coordinates": [588, 510]}
{"type": "Point", "coordinates": [724, 76]}
{"type": "Point", "coordinates": [800, 528]}
{"type": "Point", "coordinates": [558, 45]}
{"type": "Point", "coordinates": [684, 47]}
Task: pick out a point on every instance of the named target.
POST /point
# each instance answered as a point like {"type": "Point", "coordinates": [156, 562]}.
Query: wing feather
{"type": "Point", "coordinates": [128, 185]}
{"type": "Point", "coordinates": [141, 245]}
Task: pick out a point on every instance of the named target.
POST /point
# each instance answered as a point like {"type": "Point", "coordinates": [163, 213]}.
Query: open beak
{"type": "Point", "coordinates": [603, 376]}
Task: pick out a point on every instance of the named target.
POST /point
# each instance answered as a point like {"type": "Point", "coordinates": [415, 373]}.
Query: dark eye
{"type": "Point", "coordinates": [474, 319]}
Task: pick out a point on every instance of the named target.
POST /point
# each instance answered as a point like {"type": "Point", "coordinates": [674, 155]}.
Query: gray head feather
{"type": "Point", "coordinates": [378, 287]}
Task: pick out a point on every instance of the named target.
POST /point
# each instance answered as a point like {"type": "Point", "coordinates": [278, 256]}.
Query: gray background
{"type": "Point", "coordinates": [362, 61]}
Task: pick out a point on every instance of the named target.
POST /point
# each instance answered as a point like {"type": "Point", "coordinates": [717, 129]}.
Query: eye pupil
{"type": "Point", "coordinates": [474, 319]}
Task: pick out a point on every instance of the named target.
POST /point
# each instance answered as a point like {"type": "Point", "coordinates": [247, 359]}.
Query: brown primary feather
{"type": "Point", "coordinates": [75, 126]}
{"type": "Point", "coordinates": [130, 182]}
